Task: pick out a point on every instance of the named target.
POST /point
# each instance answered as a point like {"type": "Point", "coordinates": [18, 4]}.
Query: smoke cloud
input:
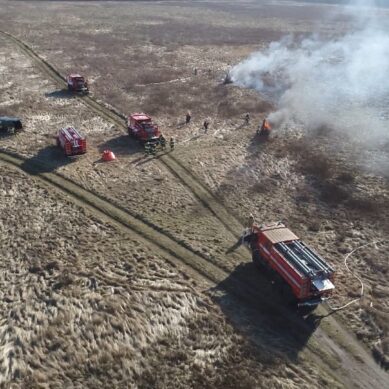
{"type": "Point", "coordinates": [340, 83]}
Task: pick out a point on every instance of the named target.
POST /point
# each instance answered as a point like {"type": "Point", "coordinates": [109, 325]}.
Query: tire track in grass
{"type": "Point", "coordinates": [172, 250]}
{"type": "Point", "coordinates": [204, 195]}
{"type": "Point", "coordinates": [176, 251]}
{"type": "Point", "coordinates": [131, 222]}
{"type": "Point", "coordinates": [280, 329]}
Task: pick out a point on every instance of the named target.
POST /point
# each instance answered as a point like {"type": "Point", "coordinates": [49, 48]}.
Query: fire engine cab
{"type": "Point", "coordinates": [142, 127]}
{"type": "Point", "coordinates": [77, 83]}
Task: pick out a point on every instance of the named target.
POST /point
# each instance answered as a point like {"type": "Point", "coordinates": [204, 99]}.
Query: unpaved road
{"type": "Point", "coordinates": [371, 374]}
{"type": "Point", "coordinates": [201, 192]}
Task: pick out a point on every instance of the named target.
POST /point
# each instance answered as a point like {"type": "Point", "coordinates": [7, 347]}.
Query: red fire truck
{"type": "Point", "coordinates": [77, 83]}
{"type": "Point", "coordinates": [276, 247]}
{"type": "Point", "coordinates": [71, 141]}
{"type": "Point", "coordinates": [142, 127]}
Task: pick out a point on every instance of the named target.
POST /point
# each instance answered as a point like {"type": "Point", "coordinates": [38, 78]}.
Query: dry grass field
{"type": "Point", "coordinates": [330, 202]}
{"type": "Point", "coordinates": [85, 305]}
{"type": "Point", "coordinates": [146, 324]}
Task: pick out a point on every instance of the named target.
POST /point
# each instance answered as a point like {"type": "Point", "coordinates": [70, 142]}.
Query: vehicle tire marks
{"type": "Point", "coordinates": [174, 251]}
{"type": "Point", "coordinates": [183, 174]}
{"type": "Point", "coordinates": [108, 211]}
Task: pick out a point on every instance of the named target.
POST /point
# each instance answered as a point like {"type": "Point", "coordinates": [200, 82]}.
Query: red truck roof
{"type": "Point", "coordinates": [293, 249]}
{"type": "Point", "coordinates": [71, 134]}
{"type": "Point", "coordinates": [140, 117]}
{"type": "Point", "coordinates": [278, 233]}
{"type": "Point", "coordinates": [308, 274]}
{"type": "Point", "coordinates": [75, 75]}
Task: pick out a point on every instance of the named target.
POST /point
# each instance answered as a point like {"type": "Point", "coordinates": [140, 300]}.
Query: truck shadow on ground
{"type": "Point", "coordinates": [60, 94]}
{"type": "Point", "coordinates": [122, 145]}
{"type": "Point", "coordinates": [256, 307]}
{"type": "Point", "coordinates": [47, 160]}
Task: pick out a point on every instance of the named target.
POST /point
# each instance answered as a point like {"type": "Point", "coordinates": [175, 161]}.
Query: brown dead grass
{"type": "Point", "coordinates": [138, 324]}
{"type": "Point", "coordinates": [322, 195]}
{"type": "Point", "coordinates": [336, 182]}
{"type": "Point", "coordinates": [147, 46]}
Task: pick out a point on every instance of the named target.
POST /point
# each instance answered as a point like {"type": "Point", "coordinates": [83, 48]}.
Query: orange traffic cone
{"type": "Point", "coordinates": [108, 155]}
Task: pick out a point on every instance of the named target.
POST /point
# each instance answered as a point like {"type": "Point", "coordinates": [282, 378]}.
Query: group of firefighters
{"type": "Point", "coordinates": [264, 129]}
{"type": "Point", "coordinates": [188, 118]}
{"type": "Point", "coordinates": [151, 146]}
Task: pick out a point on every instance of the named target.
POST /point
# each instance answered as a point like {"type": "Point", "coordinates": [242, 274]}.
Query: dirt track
{"type": "Point", "coordinates": [204, 195]}
{"type": "Point", "coordinates": [199, 191]}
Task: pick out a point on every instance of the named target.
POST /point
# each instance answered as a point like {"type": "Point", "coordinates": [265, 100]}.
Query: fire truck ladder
{"type": "Point", "coordinates": [310, 255]}
{"type": "Point", "coordinates": [301, 265]}
{"type": "Point", "coordinates": [304, 259]}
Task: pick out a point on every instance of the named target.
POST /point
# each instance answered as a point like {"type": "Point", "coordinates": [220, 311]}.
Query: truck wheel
{"type": "Point", "coordinates": [305, 309]}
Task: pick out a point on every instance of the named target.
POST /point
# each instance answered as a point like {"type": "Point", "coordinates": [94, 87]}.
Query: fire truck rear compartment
{"type": "Point", "coordinates": [307, 263]}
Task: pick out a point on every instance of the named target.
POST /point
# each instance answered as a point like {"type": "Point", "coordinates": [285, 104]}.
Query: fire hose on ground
{"type": "Point", "coordinates": [355, 275]}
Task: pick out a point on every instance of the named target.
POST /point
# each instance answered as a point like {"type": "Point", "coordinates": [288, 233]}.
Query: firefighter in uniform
{"type": "Point", "coordinates": [162, 142]}
{"type": "Point", "coordinates": [147, 148]}
{"type": "Point", "coordinates": [172, 143]}
{"type": "Point", "coordinates": [250, 222]}
{"type": "Point", "coordinates": [153, 148]}
{"type": "Point", "coordinates": [248, 235]}
{"type": "Point", "coordinates": [205, 126]}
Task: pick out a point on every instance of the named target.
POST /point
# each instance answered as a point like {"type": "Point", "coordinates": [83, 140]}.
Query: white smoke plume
{"type": "Point", "coordinates": [340, 83]}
